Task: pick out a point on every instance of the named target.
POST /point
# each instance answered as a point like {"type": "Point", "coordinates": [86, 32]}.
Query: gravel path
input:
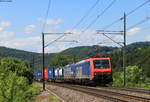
{"type": "Point", "coordinates": [73, 96]}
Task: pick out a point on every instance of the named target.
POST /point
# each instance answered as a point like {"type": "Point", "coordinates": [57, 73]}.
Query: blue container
{"type": "Point", "coordinates": [38, 74]}
{"type": "Point", "coordinates": [50, 73]}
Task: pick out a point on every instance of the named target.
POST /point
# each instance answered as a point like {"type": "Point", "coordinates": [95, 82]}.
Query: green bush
{"type": "Point", "coordinates": [15, 65]}
{"type": "Point", "coordinates": [15, 81]}
{"type": "Point", "coordinates": [134, 78]}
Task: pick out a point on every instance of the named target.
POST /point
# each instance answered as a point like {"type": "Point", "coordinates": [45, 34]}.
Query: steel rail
{"type": "Point", "coordinates": [137, 90]}
{"type": "Point", "coordinates": [137, 98]}
{"type": "Point", "coordinates": [108, 95]}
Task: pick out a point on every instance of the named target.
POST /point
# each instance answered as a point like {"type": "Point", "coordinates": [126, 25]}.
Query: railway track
{"type": "Point", "coordinates": [106, 94]}
{"type": "Point", "coordinates": [137, 90]}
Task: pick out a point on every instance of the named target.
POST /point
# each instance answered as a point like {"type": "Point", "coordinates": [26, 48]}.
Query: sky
{"type": "Point", "coordinates": [21, 23]}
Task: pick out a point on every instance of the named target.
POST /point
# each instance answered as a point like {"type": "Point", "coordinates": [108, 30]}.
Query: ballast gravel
{"type": "Point", "coordinates": [69, 95]}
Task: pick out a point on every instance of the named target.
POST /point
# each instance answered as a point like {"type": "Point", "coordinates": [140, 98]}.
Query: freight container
{"type": "Point", "coordinates": [56, 73]}
{"type": "Point", "coordinates": [46, 73]}
{"type": "Point", "coordinates": [60, 73]}
{"type": "Point", "coordinates": [38, 74]}
{"type": "Point", "coordinates": [50, 73]}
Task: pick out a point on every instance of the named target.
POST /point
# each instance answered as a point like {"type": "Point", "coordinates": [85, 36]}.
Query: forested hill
{"type": "Point", "coordinates": [88, 51]}
{"type": "Point", "coordinates": [23, 55]}
{"type": "Point", "coordinates": [138, 45]}
{"type": "Point", "coordinates": [78, 52]}
{"type": "Point", "coordinates": [36, 58]}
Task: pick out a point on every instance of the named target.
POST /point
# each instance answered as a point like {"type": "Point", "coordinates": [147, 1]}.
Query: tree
{"type": "Point", "coordinates": [61, 60]}
{"type": "Point", "coordinates": [15, 65]}
{"type": "Point", "coordinates": [15, 81]}
{"type": "Point", "coordinates": [134, 77]}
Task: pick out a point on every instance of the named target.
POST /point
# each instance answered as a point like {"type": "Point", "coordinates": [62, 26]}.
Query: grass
{"type": "Point", "coordinates": [46, 97]}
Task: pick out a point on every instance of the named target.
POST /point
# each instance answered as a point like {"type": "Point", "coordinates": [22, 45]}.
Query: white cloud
{"type": "Point", "coordinates": [54, 21]}
{"type": "Point", "coordinates": [51, 21]}
{"type": "Point", "coordinates": [133, 31]}
{"type": "Point", "coordinates": [51, 24]}
{"type": "Point", "coordinates": [117, 38]}
{"type": "Point", "coordinates": [148, 38]}
{"type": "Point", "coordinates": [29, 43]}
{"type": "Point", "coordinates": [1, 28]}
{"type": "Point", "coordinates": [5, 23]}
{"type": "Point", "coordinates": [6, 34]}
{"type": "Point", "coordinates": [90, 37]}
{"type": "Point", "coordinates": [29, 29]}
{"type": "Point", "coordinates": [52, 28]}
{"type": "Point", "coordinates": [86, 38]}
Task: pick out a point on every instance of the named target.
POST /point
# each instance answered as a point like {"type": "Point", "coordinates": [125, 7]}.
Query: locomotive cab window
{"type": "Point", "coordinates": [101, 64]}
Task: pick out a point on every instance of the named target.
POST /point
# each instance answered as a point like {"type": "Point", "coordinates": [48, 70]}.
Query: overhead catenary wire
{"type": "Point", "coordinates": [140, 22]}
{"type": "Point", "coordinates": [54, 40]}
{"type": "Point", "coordinates": [146, 28]}
{"type": "Point", "coordinates": [116, 21]}
{"type": "Point", "coordinates": [129, 13]}
{"type": "Point", "coordinates": [98, 16]}
{"type": "Point", "coordinates": [86, 14]}
{"type": "Point", "coordinates": [113, 40]}
{"type": "Point", "coordinates": [77, 24]}
{"type": "Point", "coordinates": [46, 16]}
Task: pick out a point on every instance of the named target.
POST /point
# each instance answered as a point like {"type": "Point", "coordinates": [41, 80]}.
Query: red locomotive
{"type": "Point", "coordinates": [101, 70]}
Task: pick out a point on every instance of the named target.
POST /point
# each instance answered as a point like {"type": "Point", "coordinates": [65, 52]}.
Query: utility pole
{"type": "Point", "coordinates": [43, 52]}
{"type": "Point", "coordinates": [123, 45]}
{"type": "Point", "coordinates": [124, 51]}
{"type": "Point", "coordinates": [46, 45]}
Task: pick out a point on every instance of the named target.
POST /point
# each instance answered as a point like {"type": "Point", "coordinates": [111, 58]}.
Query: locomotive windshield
{"type": "Point", "coordinates": [101, 64]}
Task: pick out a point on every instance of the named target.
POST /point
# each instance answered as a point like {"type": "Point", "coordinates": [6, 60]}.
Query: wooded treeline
{"type": "Point", "coordinates": [136, 54]}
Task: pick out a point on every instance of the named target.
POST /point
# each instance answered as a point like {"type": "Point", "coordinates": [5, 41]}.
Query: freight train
{"type": "Point", "coordinates": [89, 71]}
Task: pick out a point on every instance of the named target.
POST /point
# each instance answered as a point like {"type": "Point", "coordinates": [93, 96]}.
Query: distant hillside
{"type": "Point", "coordinates": [35, 59]}
{"type": "Point", "coordinates": [88, 51]}
{"type": "Point", "coordinates": [138, 45]}
{"type": "Point", "coordinates": [9, 52]}
{"type": "Point", "coordinates": [30, 57]}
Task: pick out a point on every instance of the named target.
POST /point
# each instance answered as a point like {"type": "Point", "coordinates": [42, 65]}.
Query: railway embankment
{"type": "Point", "coordinates": [60, 92]}
{"type": "Point", "coordinates": [69, 95]}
